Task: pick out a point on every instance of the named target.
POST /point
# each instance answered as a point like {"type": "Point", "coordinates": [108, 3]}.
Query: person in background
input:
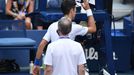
{"type": "Point", "coordinates": [68, 8]}
{"type": "Point", "coordinates": [18, 9]}
{"type": "Point", "coordinates": [54, 3]}
{"type": "Point", "coordinates": [64, 56]}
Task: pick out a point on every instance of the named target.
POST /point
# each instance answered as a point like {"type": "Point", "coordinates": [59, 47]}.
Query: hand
{"type": "Point", "coordinates": [36, 70]}
{"type": "Point", "coordinates": [23, 15]}
{"type": "Point", "coordinates": [85, 5]}
{"type": "Point", "coordinates": [19, 17]}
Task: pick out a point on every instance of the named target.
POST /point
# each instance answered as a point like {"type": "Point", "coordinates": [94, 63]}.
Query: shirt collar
{"type": "Point", "coordinates": [64, 37]}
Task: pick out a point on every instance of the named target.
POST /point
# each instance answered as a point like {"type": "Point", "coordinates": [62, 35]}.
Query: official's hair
{"type": "Point", "coordinates": [64, 25]}
{"type": "Point", "coordinates": [67, 5]}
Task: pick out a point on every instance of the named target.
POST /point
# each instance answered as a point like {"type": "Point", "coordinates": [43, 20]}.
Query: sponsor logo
{"type": "Point", "coordinates": [92, 54]}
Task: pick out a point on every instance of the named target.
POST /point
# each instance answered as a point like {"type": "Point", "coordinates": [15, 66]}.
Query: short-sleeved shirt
{"type": "Point", "coordinates": [52, 34]}
{"type": "Point", "coordinates": [64, 55]}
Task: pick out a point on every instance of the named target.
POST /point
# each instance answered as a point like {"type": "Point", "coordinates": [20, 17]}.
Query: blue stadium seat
{"type": "Point", "coordinates": [14, 34]}
{"type": "Point", "coordinates": [14, 43]}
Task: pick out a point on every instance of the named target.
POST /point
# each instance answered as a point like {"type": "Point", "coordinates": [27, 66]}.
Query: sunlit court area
{"type": "Point", "coordinates": [66, 37]}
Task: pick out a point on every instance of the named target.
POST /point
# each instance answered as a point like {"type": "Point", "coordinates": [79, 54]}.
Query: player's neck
{"type": "Point", "coordinates": [63, 36]}
{"type": "Point", "coordinates": [69, 17]}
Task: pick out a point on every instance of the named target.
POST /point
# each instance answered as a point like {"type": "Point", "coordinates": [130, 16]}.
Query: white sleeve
{"type": "Point", "coordinates": [82, 59]}
{"type": "Point", "coordinates": [80, 30]}
{"type": "Point", "coordinates": [47, 36]}
{"type": "Point", "coordinates": [48, 56]}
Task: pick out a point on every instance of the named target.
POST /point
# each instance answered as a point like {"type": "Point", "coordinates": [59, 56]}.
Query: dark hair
{"type": "Point", "coordinates": [64, 25]}
{"type": "Point", "coordinates": [67, 5]}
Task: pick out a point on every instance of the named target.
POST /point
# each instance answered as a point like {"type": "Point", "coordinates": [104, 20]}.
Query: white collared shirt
{"type": "Point", "coordinates": [64, 55]}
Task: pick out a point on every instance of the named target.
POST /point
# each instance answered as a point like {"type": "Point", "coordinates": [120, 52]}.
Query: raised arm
{"type": "Point", "coordinates": [91, 22]}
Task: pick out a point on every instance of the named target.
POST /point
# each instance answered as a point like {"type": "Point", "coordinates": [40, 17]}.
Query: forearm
{"type": "Point", "coordinates": [40, 49]}
{"type": "Point", "coordinates": [81, 70]}
{"type": "Point", "coordinates": [8, 12]}
{"type": "Point", "coordinates": [48, 70]}
{"type": "Point", "coordinates": [39, 52]}
{"type": "Point", "coordinates": [91, 24]}
{"type": "Point", "coordinates": [81, 73]}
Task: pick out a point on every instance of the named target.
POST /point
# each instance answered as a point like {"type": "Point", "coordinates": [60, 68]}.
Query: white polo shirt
{"type": "Point", "coordinates": [52, 34]}
{"type": "Point", "coordinates": [65, 55]}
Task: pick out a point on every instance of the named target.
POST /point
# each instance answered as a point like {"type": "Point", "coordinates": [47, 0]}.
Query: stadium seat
{"type": "Point", "coordinates": [14, 34]}
{"type": "Point", "coordinates": [13, 37]}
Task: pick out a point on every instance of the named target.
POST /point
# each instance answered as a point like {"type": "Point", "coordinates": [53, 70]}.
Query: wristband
{"type": "Point", "coordinates": [36, 61]}
{"type": "Point", "coordinates": [89, 12]}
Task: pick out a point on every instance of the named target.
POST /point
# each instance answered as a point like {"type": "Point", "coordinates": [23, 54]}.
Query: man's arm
{"type": "Point", "coordinates": [81, 69]}
{"type": "Point", "coordinates": [48, 70]}
{"type": "Point", "coordinates": [82, 61]}
{"type": "Point", "coordinates": [36, 69]}
{"type": "Point", "coordinates": [42, 44]}
{"type": "Point", "coordinates": [91, 22]}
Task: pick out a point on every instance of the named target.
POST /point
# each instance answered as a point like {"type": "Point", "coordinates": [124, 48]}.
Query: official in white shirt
{"type": "Point", "coordinates": [64, 56]}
